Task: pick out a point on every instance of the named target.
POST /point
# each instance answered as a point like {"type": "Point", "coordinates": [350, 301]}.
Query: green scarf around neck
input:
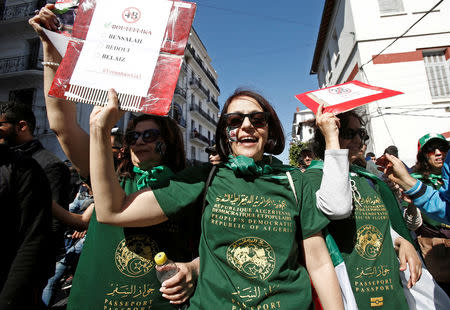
{"type": "Point", "coordinates": [149, 178]}
{"type": "Point", "coordinates": [435, 179]}
{"type": "Point", "coordinates": [246, 166]}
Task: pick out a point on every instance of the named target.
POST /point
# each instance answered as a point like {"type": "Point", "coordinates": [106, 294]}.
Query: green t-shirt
{"type": "Point", "coordinates": [116, 268]}
{"type": "Point", "coordinates": [251, 229]}
{"type": "Point", "coordinates": [365, 243]}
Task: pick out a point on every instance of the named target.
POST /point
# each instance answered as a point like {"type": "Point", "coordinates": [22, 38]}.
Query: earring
{"type": "Point", "coordinates": [160, 148]}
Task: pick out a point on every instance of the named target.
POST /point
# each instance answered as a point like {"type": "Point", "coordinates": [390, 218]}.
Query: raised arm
{"type": "Point", "coordinates": [435, 203]}
{"type": "Point", "coordinates": [334, 196]}
{"type": "Point", "coordinates": [321, 271]}
{"type": "Point", "coordinates": [62, 115]}
{"type": "Point", "coordinates": [77, 221]}
{"type": "Point", "coordinates": [111, 204]}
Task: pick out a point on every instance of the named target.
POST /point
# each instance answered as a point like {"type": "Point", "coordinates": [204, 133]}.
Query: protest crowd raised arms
{"type": "Point", "coordinates": [337, 228]}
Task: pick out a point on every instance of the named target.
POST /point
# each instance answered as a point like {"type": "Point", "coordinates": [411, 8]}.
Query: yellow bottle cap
{"type": "Point", "coordinates": [160, 258]}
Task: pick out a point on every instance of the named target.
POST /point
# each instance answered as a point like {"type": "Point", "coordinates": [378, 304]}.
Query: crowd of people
{"type": "Point", "coordinates": [343, 230]}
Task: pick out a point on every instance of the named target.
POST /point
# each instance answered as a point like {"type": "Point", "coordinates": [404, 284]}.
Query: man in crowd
{"type": "Point", "coordinates": [371, 156]}
{"type": "Point", "coordinates": [393, 150]}
{"type": "Point", "coordinates": [18, 124]}
{"type": "Point", "coordinates": [306, 157]}
{"type": "Point", "coordinates": [27, 248]}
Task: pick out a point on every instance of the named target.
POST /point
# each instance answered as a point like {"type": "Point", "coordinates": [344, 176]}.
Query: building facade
{"type": "Point", "coordinates": [362, 40]}
{"type": "Point", "coordinates": [21, 69]}
{"type": "Point", "coordinates": [194, 106]}
{"type": "Point", "coordinates": [301, 129]}
{"type": "Point", "coordinates": [195, 103]}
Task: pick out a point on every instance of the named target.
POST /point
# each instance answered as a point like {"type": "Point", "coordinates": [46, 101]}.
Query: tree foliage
{"type": "Point", "coordinates": [294, 152]}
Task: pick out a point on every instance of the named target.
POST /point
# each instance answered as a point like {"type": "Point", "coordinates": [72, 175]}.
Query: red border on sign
{"type": "Point", "coordinates": [348, 105]}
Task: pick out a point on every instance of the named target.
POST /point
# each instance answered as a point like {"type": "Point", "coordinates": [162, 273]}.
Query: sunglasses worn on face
{"type": "Point", "coordinates": [149, 136]}
{"type": "Point", "coordinates": [258, 119]}
{"type": "Point", "coordinates": [348, 133]}
{"type": "Point", "coordinates": [430, 150]}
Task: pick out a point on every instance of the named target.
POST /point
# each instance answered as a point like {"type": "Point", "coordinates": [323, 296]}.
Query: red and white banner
{"type": "Point", "coordinates": [344, 97]}
{"type": "Point", "coordinates": [133, 46]}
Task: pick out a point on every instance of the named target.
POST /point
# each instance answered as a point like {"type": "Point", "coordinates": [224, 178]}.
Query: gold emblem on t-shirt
{"type": "Point", "coordinates": [368, 242]}
{"type": "Point", "coordinates": [252, 256]}
{"type": "Point", "coordinates": [376, 301]}
{"type": "Point", "coordinates": [134, 255]}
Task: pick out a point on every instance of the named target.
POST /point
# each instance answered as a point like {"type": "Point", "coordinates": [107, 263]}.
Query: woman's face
{"type": "Point", "coordinates": [250, 140]}
{"type": "Point", "coordinates": [436, 156]}
{"type": "Point", "coordinates": [354, 144]}
{"type": "Point", "coordinates": [143, 154]}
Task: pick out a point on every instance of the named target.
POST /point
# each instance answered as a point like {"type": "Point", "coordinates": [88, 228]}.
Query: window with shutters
{"type": "Point", "coordinates": [390, 6]}
{"type": "Point", "coordinates": [438, 73]}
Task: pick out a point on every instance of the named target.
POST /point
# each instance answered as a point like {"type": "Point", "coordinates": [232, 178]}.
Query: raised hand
{"type": "Point", "coordinates": [329, 125]}
{"type": "Point", "coordinates": [106, 117]}
{"type": "Point", "coordinates": [44, 18]}
{"type": "Point", "coordinates": [396, 172]}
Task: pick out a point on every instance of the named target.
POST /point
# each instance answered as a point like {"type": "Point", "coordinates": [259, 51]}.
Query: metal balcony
{"type": "Point", "coordinates": [180, 91]}
{"type": "Point", "coordinates": [22, 10]}
{"type": "Point", "coordinates": [19, 63]}
{"type": "Point", "coordinates": [214, 102]}
{"type": "Point", "coordinates": [195, 135]}
{"type": "Point", "coordinates": [196, 84]}
{"type": "Point", "coordinates": [196, 108]}
{"type": "Point", "coordinates": [200, 63]}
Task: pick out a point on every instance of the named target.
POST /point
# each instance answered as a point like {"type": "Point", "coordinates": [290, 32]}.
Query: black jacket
{"type": "Point", "coordinates": [59, 178]}
{"type": "Point", "coordinates": [26, 230]}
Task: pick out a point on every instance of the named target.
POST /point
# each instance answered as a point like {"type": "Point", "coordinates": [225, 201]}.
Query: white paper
{"type": "Point", "coordinates": [58, 40]}
{"type": "Point", "coordinates": [340, 94]}
{"type": "Point", "coordinates": [122, 45]}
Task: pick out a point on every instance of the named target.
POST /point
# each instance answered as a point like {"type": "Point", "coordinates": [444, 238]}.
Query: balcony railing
{"type": "Point", "coordinates": [180, 91]}
{"type": "Point", "coordinates": [215, 102]}
{"type": "Point", "coordinates": [196, 135]}
{"type": "Point", "coordinates": [21, 10]}
{"type": "Point", "coordinates": [196, 108]}
{"type": "Point", "coordinates": [196, 83]}
{"type": "Point", "coordinates": [200, 63]}
{"type": "Point", "coordinates": [19, 63]}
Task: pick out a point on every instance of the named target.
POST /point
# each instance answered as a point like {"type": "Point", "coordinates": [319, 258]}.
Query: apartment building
{"type": "Point", "coordinates": [368, 41]}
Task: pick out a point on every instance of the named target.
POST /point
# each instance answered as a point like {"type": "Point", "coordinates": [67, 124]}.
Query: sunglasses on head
{"type": "Point", "coordinates": [348, 133]}
{"type": "Point", "coordinates": [257, 119]}
{"type": "Point", "coordinates": [148, 136]}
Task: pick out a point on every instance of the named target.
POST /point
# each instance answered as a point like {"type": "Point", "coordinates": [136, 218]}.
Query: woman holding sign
{"type": "Point", "coordinates": [116, 268]}
{"type": "Point", "coordinates": [364, 236]}
{"type": "Point", "coordinates": [259, 219]}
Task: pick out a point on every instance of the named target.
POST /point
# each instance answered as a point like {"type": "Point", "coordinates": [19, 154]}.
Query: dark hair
{"type": "Point", "coordinates": [422, 166]}
{"type": "Point", "coordinates": [174, 156]}
{"type": "Point", "coordinates": [318, 142]}
{"type": "Point", "coordinates": [391, 150]}
{"type": "Point", "coordinates": [371, 154]}
{"type": "Point", "coordinates": [16, 112]}
{"type": "Point", "coordinates": [275, 141]}
{"type": "Point", "coordinates": [306, 150]}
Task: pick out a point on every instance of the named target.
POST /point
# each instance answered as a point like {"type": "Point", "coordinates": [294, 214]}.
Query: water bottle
{"type": "Point", "coordinates": [165, 268]}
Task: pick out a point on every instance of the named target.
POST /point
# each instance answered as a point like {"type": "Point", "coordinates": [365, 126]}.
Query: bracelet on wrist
{"type": "Point", "coordinates": [50, 64]}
